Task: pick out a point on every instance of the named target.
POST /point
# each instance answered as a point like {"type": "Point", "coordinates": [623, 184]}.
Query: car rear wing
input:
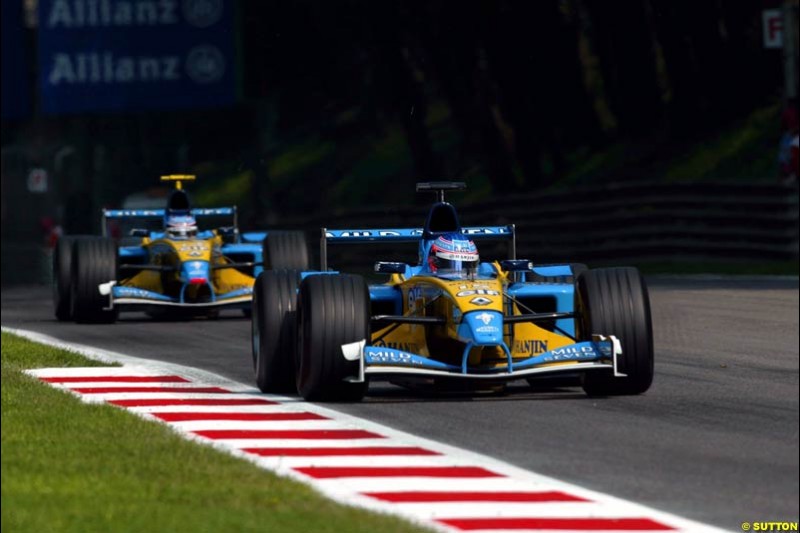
{"type": "Point", "coordinates": [153, 214]}
{"type": "Point", "coordinates": [410, 235]}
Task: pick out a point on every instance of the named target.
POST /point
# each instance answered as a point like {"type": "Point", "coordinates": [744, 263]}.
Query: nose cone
{"type": "Point", "coordinates": [483, 327]}
{"type": "Point", "coordinates": [195, 272]}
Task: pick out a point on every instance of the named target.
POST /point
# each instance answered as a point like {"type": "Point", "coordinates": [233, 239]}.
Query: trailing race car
{"type": "Point", "coordinates": [451, 318]}
{"type": "Point", "coordinates": [177, 270]}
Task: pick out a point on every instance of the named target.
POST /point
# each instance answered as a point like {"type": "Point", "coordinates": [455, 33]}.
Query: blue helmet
{"type": "Point", "coordinates": [178, 220]}
{"type": "Point", "coordinates": [181, 226]}
{"type": "Point", "coordinates": [453, 254]}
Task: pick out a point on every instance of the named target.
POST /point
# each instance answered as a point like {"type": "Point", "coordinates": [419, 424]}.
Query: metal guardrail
{"type": "Point", "coordinates": [624, 222]}
{"type": "Point", "coordinates": [617, 223]}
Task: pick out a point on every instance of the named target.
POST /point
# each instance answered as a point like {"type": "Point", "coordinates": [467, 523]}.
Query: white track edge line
{"type": "Point", "coordinates": [210, 378]}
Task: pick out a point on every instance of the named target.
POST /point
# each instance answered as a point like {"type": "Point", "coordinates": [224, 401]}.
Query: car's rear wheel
{"type": "Point", "coordinates": [285, 250]}
{"type": "Point", "coordinates": [614, 301]}
{"type": "Point", "coordinates": [273, 330]}
{"type": "Point", "coordinates": [62, 276]}
{"type": "Point", "coordinates": [332, 310]}
{"type": "Point", "coordinates": [94, 261]}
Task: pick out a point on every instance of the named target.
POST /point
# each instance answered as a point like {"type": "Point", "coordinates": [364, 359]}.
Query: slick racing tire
{"type": "Point", "coordinates": [285, 250]}
{"type": "Point", "coordinates": [62, 276]}
{"type": "Point", "coordinates": [332, 310]}
{"type": "Point", "coordinates": [614, 301]}
{"type": "Point", "coordinates": [94, 261]}
{"type": "Point", "coordinates": [577, 270]}
{"type": "Point", "coordinates": [273, 330]}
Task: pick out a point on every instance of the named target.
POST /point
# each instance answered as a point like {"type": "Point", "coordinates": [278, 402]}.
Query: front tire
{"type": "Point", "coordinates": [614, 301]}
{"type": "Point", "coordinates": [62, 276]}
{"type": "Point", "coordinates": [273, 330]}
{"type": "Point", "coordinates": [94, 261]}
{"type": "Point", "coordinates": [285, 250]}
{"type": "Point", "coordinates": [333, 310]}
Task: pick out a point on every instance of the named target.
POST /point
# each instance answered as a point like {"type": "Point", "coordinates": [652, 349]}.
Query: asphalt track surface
{"type": "Point", "coordinates": [715, 439]}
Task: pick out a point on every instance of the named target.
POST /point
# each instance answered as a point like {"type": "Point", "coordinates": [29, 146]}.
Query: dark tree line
{"type": "Point", "coordinates": [525, 82]}
{"type": "Point", "coordinates": [508, 91]}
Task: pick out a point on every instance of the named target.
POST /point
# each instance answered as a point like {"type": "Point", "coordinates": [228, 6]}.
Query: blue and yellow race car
{"type": "Point", "coordinates": [177, 270]}
{"type": "Point", "coordinates": [451, 318]}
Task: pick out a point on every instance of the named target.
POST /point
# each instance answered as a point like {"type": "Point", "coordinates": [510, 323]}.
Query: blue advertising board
{"type": "Point", "coordinates": [15, 95]}
{"type": "Point", "coordinates": [135, 55]}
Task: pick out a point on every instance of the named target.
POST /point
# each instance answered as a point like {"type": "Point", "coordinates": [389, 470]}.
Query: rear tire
{"type": "Point", "coordinates": [333, 310]}
{"type": "Point", "coordinates": [94, 261]}
{"type": "Point", "coordinates": [274, 330]}
{"type": "Point", "coordinates": [614, 301]}
{"type": "Point", "coordinates": [285, 250]}
{"type": "Point", "coordinates": [62, 276]}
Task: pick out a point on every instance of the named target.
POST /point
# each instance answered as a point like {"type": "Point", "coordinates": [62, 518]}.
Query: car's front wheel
{"type": "Point", "coordinates": [62, 276]}
{"type": "Point", "coordinates": [333, 310]}
{"type": "Point", "coordinates": [273, 330]}
{"type": "Point", "coordinates": [614, 301]}
{"type": "Point", "coordinates": [94, 261]}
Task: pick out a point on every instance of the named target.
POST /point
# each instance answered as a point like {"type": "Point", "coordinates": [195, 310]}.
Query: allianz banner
{"type": "Point", "coordinates": [135, 55]}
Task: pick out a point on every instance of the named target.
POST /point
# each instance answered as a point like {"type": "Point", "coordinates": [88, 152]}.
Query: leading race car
{"type": "Point", "coordinates": [177, 270]}
{"type": "Point", "coordinates": [449, 319]}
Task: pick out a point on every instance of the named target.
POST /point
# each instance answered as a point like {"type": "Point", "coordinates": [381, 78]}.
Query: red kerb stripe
{"type": "Point", "coordinates": [106, 390]}
{"type": "Point", "coordinates": [288, 434]}
{"type": "Point", "coordinates": [474, 496]}
{"type": "Point", "coordinates": [367, 450]}
{"type": "Point", "coordinates": [398, 471]}
{"type": "Point", "coordinates": [582, 524]}
{"type": "Point", "coordinates": [117, 379]}
{"type": "Point", "coordinates": [191, 401]}
{"type": "Point", "coordinates": [185, 417]}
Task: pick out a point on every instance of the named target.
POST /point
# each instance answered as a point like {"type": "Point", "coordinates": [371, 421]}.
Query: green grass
{"type": "Point", "coordinates": [746, 151]}
{"type": "Point", "coordinates": [742, 152]}
{"type": "Point", "coordinates": [68, 466]}
{"type": "Point", "coordinates": [229, 192]}
{"type": "Point", "coordinates": [20, 354]}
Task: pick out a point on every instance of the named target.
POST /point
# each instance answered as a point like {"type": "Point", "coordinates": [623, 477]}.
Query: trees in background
{"type": "Point", "coordinates": [354, 100]}
{"type": "Point", "coordinates": [522, 83]}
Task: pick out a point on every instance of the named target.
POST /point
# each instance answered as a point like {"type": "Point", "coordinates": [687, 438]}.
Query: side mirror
{"type": "Point", "coordinates": [390, 267]}
{"type": "Point", "coordinates": [516, 265]}
{"type": "Point", "coordinates": [139, 232]}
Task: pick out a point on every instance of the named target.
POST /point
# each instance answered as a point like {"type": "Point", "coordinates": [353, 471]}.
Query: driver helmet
{"type": "Point", "coordinates": [453, 254]}
{"type": "Point", "coordinates": [181, 226]}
